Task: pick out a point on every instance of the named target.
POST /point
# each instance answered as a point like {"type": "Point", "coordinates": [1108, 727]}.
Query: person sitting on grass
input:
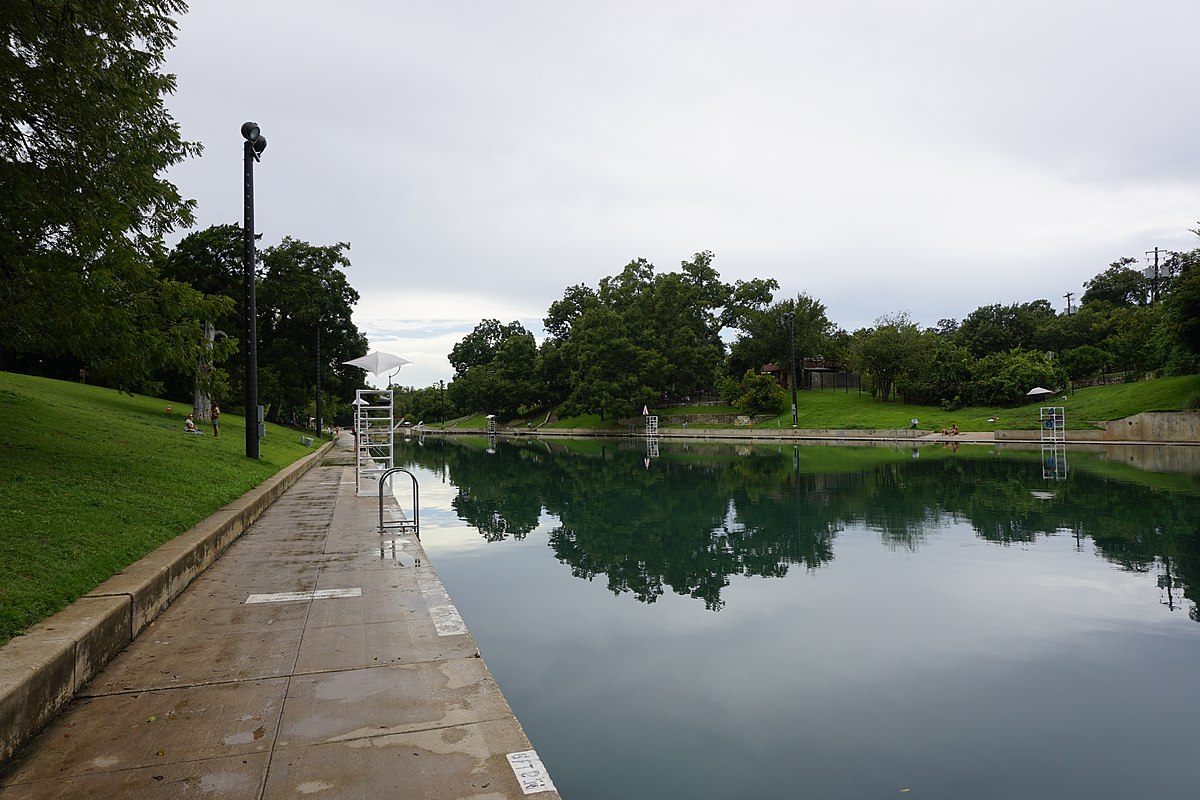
{"type": "Point", "coordinates": [189, 426]}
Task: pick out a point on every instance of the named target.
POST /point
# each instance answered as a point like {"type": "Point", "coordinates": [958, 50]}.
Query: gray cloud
{"type": "Point", "coordinates": [932, 156]}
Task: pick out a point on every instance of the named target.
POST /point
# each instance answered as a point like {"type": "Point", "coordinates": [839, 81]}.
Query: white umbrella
{"type": "Point", "coordinates": [378, 362]}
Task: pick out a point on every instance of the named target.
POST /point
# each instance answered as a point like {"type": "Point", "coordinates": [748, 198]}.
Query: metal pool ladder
{"type": "Point", "coordinates": [407, 524]}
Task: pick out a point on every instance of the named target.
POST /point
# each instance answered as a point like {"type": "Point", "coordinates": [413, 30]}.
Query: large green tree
{"type": "Point", "coordinates": [1119, 285]}
{"type": "Point", "coordinates": [613, 372]}
{"type": "Point", "coordinates": [210, 261]}
{"type": "Point", "coordinates": [304, 297]}
{"type": "Point", "coordinates": [765, 335]}
{"type": "Point", "coordinates": [84, 141]}
{"type": "Point", "coordinates": [496, 369]}
{"type": "Point", "coordinates": [1181, 322]}
{"type": "Point", "coordinates": [1004, 378]}
{"type": "Point", "coordinates": [999, 328]}
{"type": "Point", "coordinates": [887, 352]}
{"type": "Point", "coordinates": [939, 371]}
{"type": "Point", "coordinates": [661, 335]}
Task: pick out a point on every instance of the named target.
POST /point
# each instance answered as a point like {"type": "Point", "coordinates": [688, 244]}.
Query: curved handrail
{"type": "Point", "coordinates": [415, 524]}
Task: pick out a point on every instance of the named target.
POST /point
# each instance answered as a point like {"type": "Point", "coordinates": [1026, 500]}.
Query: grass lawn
{"type": "Point", "coordinates": [91, 480]}
{"type": "Point", "coordinates": [831, 409]}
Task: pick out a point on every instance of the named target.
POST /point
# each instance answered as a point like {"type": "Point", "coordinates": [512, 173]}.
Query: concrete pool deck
{"type": "Point", "coordinates": [314, 657]}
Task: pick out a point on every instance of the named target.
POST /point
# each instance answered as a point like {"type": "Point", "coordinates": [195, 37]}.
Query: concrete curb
{"type": "Point", "coordinates": [891, 436]}
{"type": "Point", "coordinates": [41, 671]}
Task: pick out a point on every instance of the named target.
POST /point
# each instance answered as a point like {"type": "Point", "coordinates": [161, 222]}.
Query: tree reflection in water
{"type": "Point", "coordinates": [699, 514]}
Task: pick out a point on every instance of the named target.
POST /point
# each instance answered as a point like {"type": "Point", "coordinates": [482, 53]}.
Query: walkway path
{"type": "Point", "coordinates": [315, 658]}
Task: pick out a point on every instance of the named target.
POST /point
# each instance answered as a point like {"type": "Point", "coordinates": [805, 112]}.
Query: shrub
{"type": "Point", "coordinates": [759, 394]}
{"type": "Point", "coordinates": [1004, 378]}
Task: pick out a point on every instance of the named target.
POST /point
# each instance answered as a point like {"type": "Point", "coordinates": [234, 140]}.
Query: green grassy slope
{"type": "Point", "coordinates": [831, 409]}
{"type": "Point", "coordinates": [92, 480]}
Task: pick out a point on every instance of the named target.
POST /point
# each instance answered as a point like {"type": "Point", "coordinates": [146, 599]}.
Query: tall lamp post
{"type": "Point", "coordinates": [790, 316]}
{"type": "Point", "coordinates": [320, 324]}
{"type": "Point", "coordinates": [320, 419]}
{"type": "Point", "coordinates": [254, 145]}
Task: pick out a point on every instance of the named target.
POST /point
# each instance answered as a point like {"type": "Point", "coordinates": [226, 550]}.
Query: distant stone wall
{"type": "Point", "coordinates": [1155, 426]}
{"type": "Point", "coordinates": [699, 419]}
{"type": "Point", "coordinates": [1150, 426]}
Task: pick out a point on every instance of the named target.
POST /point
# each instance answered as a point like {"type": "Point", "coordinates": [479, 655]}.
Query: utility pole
{"type": "Point", "coordinates": [1154, 280]}
{"type": "Point", "coordinates": [1069, 295]}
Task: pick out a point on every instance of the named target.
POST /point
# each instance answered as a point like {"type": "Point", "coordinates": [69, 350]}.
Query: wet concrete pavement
{"type": "Point", "coordinates": [316, 658]}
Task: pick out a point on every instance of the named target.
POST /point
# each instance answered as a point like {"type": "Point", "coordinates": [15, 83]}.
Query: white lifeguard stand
{"type": "Point", "coordinates": [1053, 421]}
{"type": "Point", "coordinates": [1053, 425]}
{"type": "Point", "coordinates": [373, 433]}
{"type": "Point", "coordinates": [652, 425]}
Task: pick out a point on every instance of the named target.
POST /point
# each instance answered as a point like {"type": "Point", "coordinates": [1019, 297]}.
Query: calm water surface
{"type": "Point", "coordinates": [716, 621]}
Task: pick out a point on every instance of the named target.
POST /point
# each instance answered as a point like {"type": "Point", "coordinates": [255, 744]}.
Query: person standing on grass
{"type": "Point", "coordinates": [216, 414]}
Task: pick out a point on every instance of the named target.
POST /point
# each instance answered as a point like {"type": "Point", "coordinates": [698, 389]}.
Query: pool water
{"type": "Point", "coordinates": [738, 620]}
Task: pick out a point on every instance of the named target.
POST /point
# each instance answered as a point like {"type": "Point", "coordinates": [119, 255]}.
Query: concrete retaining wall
{"type": "Point", "coordinates": [1167, 427]}
{"type": "Point", "coordinates": [42, 670]}
{"type": "Point", "coordinates": [770, 434]}
{"type": "Point", "coordinates": [1155, 426]}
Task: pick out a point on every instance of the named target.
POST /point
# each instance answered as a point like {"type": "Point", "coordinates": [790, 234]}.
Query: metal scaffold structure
{"type": "Point", "coordinates": [1053, 426]}
{"type": "Point", "coordinates": [651, 437]}
{"type": "Point", "coordinates": [373, 426]}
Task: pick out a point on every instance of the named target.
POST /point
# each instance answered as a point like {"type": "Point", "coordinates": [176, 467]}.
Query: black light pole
{"type": "Point", "coordinates": [790, 316]}
{"type": "Point", "coordinates": [320, 420]}
{"type": "Point", "coordinates": [255, 144]}
{"type": "Point", "coordinates": [320, 324]}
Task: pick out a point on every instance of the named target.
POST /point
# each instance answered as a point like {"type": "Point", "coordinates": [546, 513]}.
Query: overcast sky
{"type": "Point", "coordinates": [928, 156]}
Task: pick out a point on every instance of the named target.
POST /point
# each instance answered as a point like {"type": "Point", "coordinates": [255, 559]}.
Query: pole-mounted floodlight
{"type": "Point", "coordinates": [255, 144]}
{"type": "Point", "coordinates": [253, 135]}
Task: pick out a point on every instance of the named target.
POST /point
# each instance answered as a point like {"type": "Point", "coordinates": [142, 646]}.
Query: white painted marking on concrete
{"type": "Point", "coordinates": [445, 616]}
{"type": "Point", "coordinates": [288, 597]}
{"type": "Point", "coordinates": [531, 772]}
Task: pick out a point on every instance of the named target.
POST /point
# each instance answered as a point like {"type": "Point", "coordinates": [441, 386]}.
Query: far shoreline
{"type": "Point", "coordinates": [1173, 428]}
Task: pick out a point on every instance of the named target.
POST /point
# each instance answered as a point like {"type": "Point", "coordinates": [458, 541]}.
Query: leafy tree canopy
{"type": "Point", "coordinates": [84, 140]}
{"type": "Point", "coordinates": [765, 335]}
{"type": "Point", "coordinates": [661, 334]}
{"type": "Point", "coordinates": [479, 347]}
{"type": "Point", "coordinates": [1119, 285]}
{"type": "Point", "coordinates": [999, 328]}
{"type": "Point", "coordinates": [496, 368]}
{"type": "Point", "coordinates": [887, 352]}
{"type": "Point", "coordinates": [1182, 320]}
{"type": "Point", "coordinates": [304, 297]}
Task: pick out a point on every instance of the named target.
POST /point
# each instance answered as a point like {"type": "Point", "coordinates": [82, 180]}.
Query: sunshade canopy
{"type": "Point", "coordinates": [378, 362]}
